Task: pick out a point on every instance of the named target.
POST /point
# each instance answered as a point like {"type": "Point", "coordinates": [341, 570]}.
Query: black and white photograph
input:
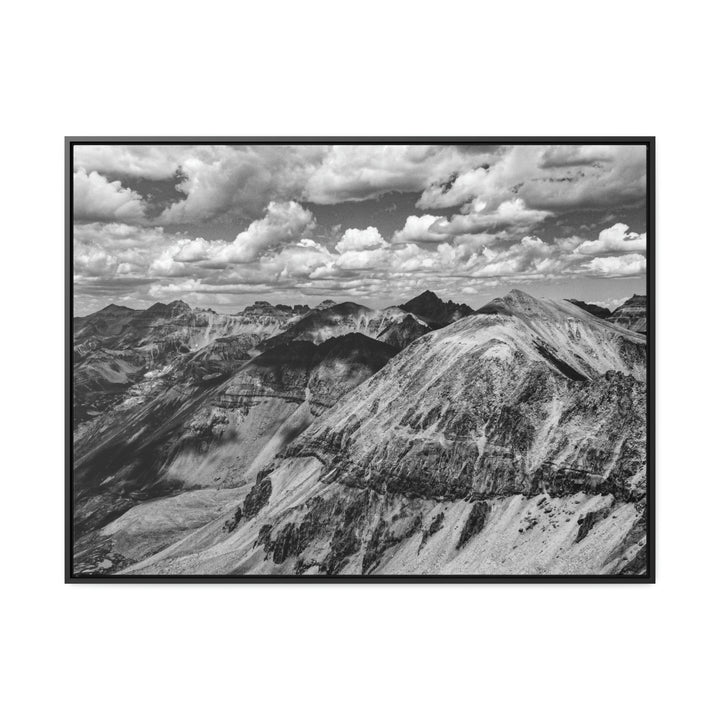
{"type": "Point", "coordinates": [361, 359]}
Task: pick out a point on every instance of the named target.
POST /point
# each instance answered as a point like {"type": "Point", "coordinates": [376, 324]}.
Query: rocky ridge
{"type": "Point", "coordinates": [511, 441]}
{"type": "Point", "coordinates": [204, 430]}
{"type": "Point", "coordinates": [632, 314]}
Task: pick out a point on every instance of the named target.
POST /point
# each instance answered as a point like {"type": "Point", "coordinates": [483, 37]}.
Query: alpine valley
{"type": "Point", "coordinates": [424, 438]}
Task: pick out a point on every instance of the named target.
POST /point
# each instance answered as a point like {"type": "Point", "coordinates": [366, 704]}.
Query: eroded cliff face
{"type": "Point", "coordinates": [206, 427]}
{"type": "Point", "coordinates": [334, 320]}
{"type": "Point", "coordinates": [632, 314]}
{"type": "Point", "coordinates": [512, 441]}
{"type": "Point", "coordinates": [120, 352]}
{"type": "Point", "coordinates": [265, 405]}
{"type": "Point", "coordinates": [434, 311]}
{"type": "Point", "coordinates": [396, 325]}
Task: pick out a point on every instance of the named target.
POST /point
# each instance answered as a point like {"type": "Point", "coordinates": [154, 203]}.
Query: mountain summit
{"type": "Point", "coordinates": [429, 307]}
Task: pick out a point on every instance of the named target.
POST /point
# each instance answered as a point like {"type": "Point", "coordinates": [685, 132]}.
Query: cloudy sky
{"type": "Point", "coordinates": [222, 226]}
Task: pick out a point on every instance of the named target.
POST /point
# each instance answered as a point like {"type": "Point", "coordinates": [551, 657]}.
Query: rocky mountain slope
{"type": "Point", "coordinates": [597, 310]}
{"type": "Point", "coordinates": [206, 427]}
{"type": "Point", "coordinates": [392, 324]}
{"type": "Point", "coordinates": [510, 441]}
{"type": "Point", "coordinates": [117, 348]}
{"type": "Point", "coordinates": [396, 325]}
{"type": "Point", "coordinates": [632, 314]}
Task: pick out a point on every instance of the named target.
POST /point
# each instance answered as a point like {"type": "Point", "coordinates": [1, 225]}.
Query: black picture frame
{"type": "Point", "coordinates": [648, 141]}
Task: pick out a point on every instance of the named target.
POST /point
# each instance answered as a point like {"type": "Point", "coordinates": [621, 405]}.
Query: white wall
{"type": "Point", "coordinates": [188, 68]}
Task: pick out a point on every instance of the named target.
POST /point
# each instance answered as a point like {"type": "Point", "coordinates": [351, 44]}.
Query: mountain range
{"type": "Point", "coordinates": [424, 438]}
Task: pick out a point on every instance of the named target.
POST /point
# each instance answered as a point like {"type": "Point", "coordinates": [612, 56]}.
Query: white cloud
{"type": "Point", "coordinates": [283, 222]}
{"type": "Point", "coordinates": [94, 261]}
{"type": "Point", "coordinates": [614, 240]}
{"type": "Point", "coordinates": [356, 239]}
{"type": "Point", "coordinates": [505, 198]}
{"type": "Point", "coordinates": [193, 250]}
{"type": "Point", "coordinates": [419, 229]}
{"type": "Point", "coordinates": [155, 162]}
{"type": "Point", "coordinates": [101, 248]}
{"type": "Point", "coordinates": [362, 259]}
{"type": "Point", "coordinates": [300, 260]}
{"type": "Point", "coordinates": [241, 180]}
{"type": "Point", "coordinates": [575, 155]}
{"type": "Point", "coordinates": [96, 198]}
{"type": "Point", "coordinates": [620, 266]}
{"type": "Point", "coordinates": [548, 178]}
{"type": "Point", "coordinates": [166, 266]}
{"type": "Point", "coordinates": [359, 172]}
{"type": "Point", "coordinates": [509, 214]}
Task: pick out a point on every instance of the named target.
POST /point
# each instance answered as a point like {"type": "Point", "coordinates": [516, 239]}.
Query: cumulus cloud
{"type": "Point", "coordinates": [575, 155]}
{"type": "Point", "coordinates": [96, 198]}
{"type": "Point", "coordinates": [192, 251]}
{"type": "Point", "coordinates": [283, 222]}
{"type": "Point", "coordinates": [241, 180]}
{"type": "Point", "coordinates": [617, 266]}
{"type": "Point", "coordinates": [359, 172]}
{"type": "Point", "coordinates": [508, 219]}
{"type": "Point", "coordinates": [155, 162]}
{"type": "Point", "coordinates": [301, 260]}
{"type": "Point", "coordinates": [220, 179]}
{"type": "Point", "coordinates": [547, 178]}
{"type": "Point", "coordinates": [356, 239]}
{"type": "Point", "coordinates": [509, 214]}
{"type": "Point", "coordinates": [616, 239]}
{"type": "Point", "coordinates": [107, 249]}
{"type": "Point", "coordinates": [420, 229]}
{"type": "Point", "coordinates": [362, 259]}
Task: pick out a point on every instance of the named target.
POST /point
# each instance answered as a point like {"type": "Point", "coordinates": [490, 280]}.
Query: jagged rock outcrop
{"type": "Point", "coordinates": [430, 308]}
{"type": "Point", "coordinates": [632, 314]}
{"type": "Point", "coordinates": [401, 333]}
{"type": "Point", "coordinates": [334, 320]}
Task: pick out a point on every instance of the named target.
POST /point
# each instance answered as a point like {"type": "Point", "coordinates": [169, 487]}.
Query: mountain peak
{"type": "Point", "coordinates": [514, 301]}
{"type": "Point", "coordinates": [174, 307]}
{"type": "Point", "coordinates": [325, 304]}
{"type": "Point", "coordinates": [431, 308]}
{"type": "Point", "coordinates": [112, 308]}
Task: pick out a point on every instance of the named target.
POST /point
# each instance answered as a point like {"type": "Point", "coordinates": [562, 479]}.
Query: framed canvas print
{"type": "Point", "coordinates": [360, 359]}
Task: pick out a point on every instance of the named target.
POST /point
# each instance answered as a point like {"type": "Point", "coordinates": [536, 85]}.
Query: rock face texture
{"type": "Point", "coordinates": [510, 441]}
{"type": "Point", "coordinates": [401, 333]}
{"type": "Point", "coordinates": [430, 308]}
{"type": "Point", "coordinates": [597, 310]}
{"type": "Point", "coordinates": [117, 348]}
{"type": "Point", "coordinates": [333, 320]}
{"type": "Point", "coordinates": [632, 314]}
{"type": "Point", "coordinates": [211, 421]}
{"type": "Point", "coordinates": [397, 326]}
